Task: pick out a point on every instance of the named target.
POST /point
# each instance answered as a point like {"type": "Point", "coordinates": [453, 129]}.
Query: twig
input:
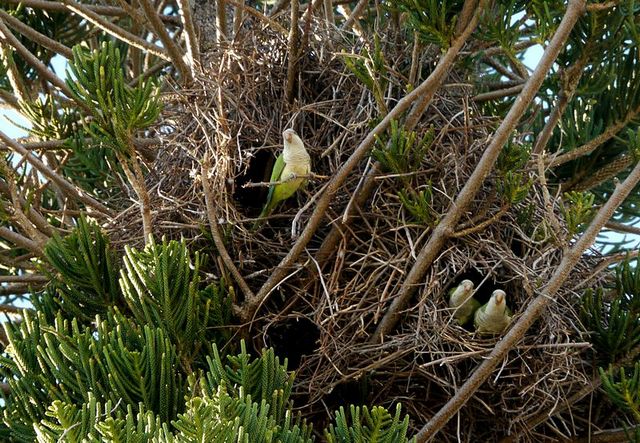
{"type": "Point", "coordinates": [571, 79]}
{"type": "Point", "coordinates": [136, 178]}
{"type": "Point", "coordinates": [26, 278]}
{"type": "Point", "coordinates": [620, 227]}
{"type": "Point", "coordinates": [499, 93]}
{"type": "Point", "coordinates": [293, 50]}
{"type": "Point", "coordinates": [617, 435]}
{"type": "Point", "coordinates": [355, 14]}
{"type": "Point", "coordinates": [280, 182]}
{"type": "Point", "coordinates": [592, 145]}
{"type": "Point", "coordinates": [538, 305]}
{"type": "Point", "coordinates": [260, 16]}
{"type": "Point", "coordinates": [482, 226]}
{"type": "Point", "coordinates": [443, 230]}
{"type": "Point", "coordinates": [221, 21]}
{"type": "Point", "coordinates": [64, 185]}
{"type": "Point", "coordinates": [114, 30]}
{"type": "Point", "coordinates": [328, 13]}
{"type": "Point", "coordinates": [9, 99]}
{"type": "Point", "coordinates": [174, 52]}
{"type": "Point", "coordinates": [36, 36]}
{"type": "Point", "coordinates": [601, 6]}
{"type": "Point", "coordinates": [7, 36]}
{"type": "Point", "coordinates": [427, 87]}
{"type": "Point", "coordinates": [215, 232]}
{"type": "Point", "coordinates": [190, 36]}
{"type": "Point", "coordinates": [238, 18]}
{"type": "Point", "coordinates": [14, 289]}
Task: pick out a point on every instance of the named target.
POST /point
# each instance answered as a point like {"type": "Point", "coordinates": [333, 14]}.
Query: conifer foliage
{"type": "Point", "coordinates": [140, 305]}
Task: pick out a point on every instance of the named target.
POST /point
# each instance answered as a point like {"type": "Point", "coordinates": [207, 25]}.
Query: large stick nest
{"type": "Point", "coordinates": [235, 113]}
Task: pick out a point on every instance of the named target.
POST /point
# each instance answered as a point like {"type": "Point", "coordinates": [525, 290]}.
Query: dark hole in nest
{"type": "Point", "coordinates": [252, 199]}
{"type": "Point", "coordinates": [293, 338]}
{"type": "Point", "coordinates": [352, 392]}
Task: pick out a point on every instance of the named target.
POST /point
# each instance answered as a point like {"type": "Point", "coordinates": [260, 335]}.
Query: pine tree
{"type": "Point", "coordinates": [141, 306]}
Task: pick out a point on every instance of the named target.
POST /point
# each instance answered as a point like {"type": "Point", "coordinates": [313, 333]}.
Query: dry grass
{"type": "Point", "coordinates": [236, 110]}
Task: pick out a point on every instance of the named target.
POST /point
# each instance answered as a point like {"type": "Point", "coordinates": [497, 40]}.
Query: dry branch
{"type": "Point", "coordinates": [64, 185]}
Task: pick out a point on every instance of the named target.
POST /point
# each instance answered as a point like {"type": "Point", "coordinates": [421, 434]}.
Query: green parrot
{"type": "Point", "coordinates": [461, 299]}
{"type": "Point", "coordinates": [294, 161]}
{"type": "Point", "coordinates": [494, 316]}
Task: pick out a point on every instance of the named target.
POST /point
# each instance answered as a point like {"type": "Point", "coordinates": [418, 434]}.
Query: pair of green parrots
{"type": "Point", "coordinates": [290, 171]}
{"type": "Point", "coordinates": [491, 318]}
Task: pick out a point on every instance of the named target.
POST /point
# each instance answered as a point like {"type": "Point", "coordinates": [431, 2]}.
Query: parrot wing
{"type": "Point", "coordinates": [276, 173]}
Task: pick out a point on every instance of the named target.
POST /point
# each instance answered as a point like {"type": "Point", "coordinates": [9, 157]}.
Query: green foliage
{"type": "Point", "coordinates": [96, 79]}
{"type": "Point", "coordinates": [613, 318]}
{"type": "Point", "coordinates": [578, 211]}
{"type": "Point", "coordinates": [623, 388]}
{"type": "Point", "coordinates": [372, 426]}
{"type": "Point", "coordinates": [161, 287]}
{"type": "Point", "coordinates": [62, 361]}
{"type": "Point", "coordinates": [86, 278]}
{"type": "Point", "coordinates": [402, 153]}
{"type": "Point", "coordinates": [514, 187]}
{"type": "Point", "coordinates": [434, 21]}
{"type": "Point", "coordinates": [419, 204]}
{"type": "Point", "coordinates": [370, 68]}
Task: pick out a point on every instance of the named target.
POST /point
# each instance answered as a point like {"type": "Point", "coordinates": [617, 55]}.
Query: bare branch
{"type": "Point", "coordinates": [25, 278]}
{"type": "Point", "coordinates": [114, 30]}
{"type": "Point", "coordinates": [98, 9]}
{"type": "Point", "coordinates": [571, 78]}
{"type": "Point", "coordinates": [221, 21]}
{"type": "Point", "coordinates": [190, 37]}
{"type": "Point", "coordinates": [174, 51]}
{"type": "Point", "coordinates": [592, 145]}
{"type": "Point", "coordinates": [215, 232]}
{"type": "Point", "coordinates": [36, 36]}
{"type": "Point", "coordinates": [444, 229]}
{"type": "Point", "coordinates": [293, 51]}
{"type": "Point", "coordinates": [64, 185]}
{"type": "Point", "coordinates": [7, 36]}
{"type": "Point", "coordinates": [535, 308]}
{"type": "Point", "coordinates": [498, 93]}
{"type": "Point", "coordinates": [20, 240]}
{"type": "Point", "coordinates": [355, 14]}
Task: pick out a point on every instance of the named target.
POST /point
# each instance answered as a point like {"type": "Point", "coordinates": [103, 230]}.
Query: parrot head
{"type": "Point", "coordinates": [498, 298]}
{"type": "Point", "coordinates": [290, 136]}
{"type": "Point", "coordinates": [467, 285]}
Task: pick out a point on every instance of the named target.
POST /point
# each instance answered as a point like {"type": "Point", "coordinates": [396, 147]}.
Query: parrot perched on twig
{"type": "Point", "coordinates": [290, 169]}
{"type": "Point", "coordinates": [461, 299]}
{"type": "Point", "coordinates": [494, 316]}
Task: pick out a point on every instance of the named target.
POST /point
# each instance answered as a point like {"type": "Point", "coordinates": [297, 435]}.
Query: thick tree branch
{"type": "Point", "coordinates": [215, 232]}
{"type": "Point", "coordinates": [425, 88]}
{"type": "Point", "coordinates": [293, 51]}
{"type": "Point", "coordinates": [538, 305]}
{"type": "Point", "coordinates": [20, 240]}
{"type": "Point", "coordinates": [444, 229]}
{"type": "Point", "coordinates": [112, 11]}
{"type": "Point", "coordinates": [190, 36]}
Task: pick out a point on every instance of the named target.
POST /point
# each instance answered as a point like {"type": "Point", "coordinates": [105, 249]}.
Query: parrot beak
{"type": "Point", "coordinates": [288, 135]}
{"type": "Point", "coordinates": [499, 298]}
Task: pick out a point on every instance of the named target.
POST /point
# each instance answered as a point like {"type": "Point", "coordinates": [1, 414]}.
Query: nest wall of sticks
{"type": "Point", "coordinates": [228, 126]}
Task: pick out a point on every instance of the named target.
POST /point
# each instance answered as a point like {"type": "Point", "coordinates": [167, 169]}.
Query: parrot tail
{"type": "Point", "coordinates": [264, 214]}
